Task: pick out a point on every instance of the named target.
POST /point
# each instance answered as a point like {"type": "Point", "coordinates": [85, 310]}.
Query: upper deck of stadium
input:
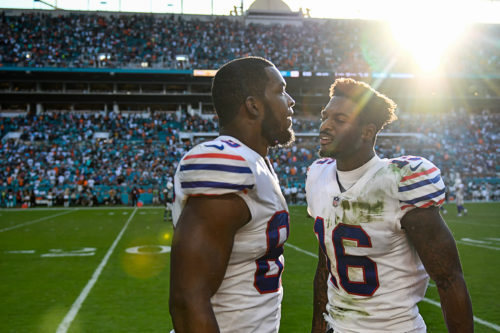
{"type": "Point", "coordinates": [112, 40]}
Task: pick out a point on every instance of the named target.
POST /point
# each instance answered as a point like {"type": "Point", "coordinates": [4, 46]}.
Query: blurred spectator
{"type": "Point", "coordinates": [134, 196]}
{"type": "Point", "coordinates": [64, 167]}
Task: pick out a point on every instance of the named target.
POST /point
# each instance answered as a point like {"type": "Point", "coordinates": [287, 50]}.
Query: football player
{"type": "Point", "coordinates": [459, 196]}
{"type": "Point", "coordinates": [378, 225]}
{"type": "Point", "coordinates": [230, 217]}
{"type": "Point", "coordinates": [168, 200]}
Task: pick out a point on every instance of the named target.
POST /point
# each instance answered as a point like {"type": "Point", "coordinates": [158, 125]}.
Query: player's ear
{"type": "Point", "coordinates": [369, 132]}
{"type": "Point", "coordinates": [252, 106]}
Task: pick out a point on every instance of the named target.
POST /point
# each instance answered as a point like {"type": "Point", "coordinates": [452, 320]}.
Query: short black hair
{"type": "Point", "coordinates": [234, 82]}
{"type": "Point", "coordinates": [374, 107]}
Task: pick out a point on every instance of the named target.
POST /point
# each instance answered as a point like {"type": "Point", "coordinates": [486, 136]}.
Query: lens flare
{"type": "Point", "coordinates": [427, 30]}
{"type": "Point", "coordinates": [143, 265]}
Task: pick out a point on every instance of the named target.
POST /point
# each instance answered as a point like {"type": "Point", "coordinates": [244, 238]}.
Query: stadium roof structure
{"type": "Point", "coordinates": [272, 12]}
{"type": "Point", "coordinates": [269, 6]}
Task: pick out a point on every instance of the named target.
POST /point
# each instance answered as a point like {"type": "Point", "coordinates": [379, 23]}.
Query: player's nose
{"type": "Point", "coordinates": [291, 101]}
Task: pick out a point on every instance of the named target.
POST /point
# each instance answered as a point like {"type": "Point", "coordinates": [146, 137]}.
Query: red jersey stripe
{"type": "Point", "coordinates": [215, 155]}
{"type": "Point", "coordinates": [418, 174]}
{"type": "Point", "coordinates": [425, 205]}
{"type": "Point", "coordinates": [405, 206]}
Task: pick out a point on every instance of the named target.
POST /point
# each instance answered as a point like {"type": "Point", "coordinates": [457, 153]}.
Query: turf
{"type": "Point", "coordinates": [48, 257]}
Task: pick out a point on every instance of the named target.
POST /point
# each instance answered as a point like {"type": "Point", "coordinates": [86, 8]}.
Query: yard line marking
{"type": "Point", "coordinates": [66, 322]}
{"type": "Point", "coordinates": [475, 241]}
{"type": "Point", "coordinates": [476, 319]}
{"type": "Point", "coordinates": [472, 223]}
{"type": "Point", "coordinates": [428, 300]}
{"type": "Point", "coordinates": [35, 221]}
{"type": "Point", "coordinates": [478, 245]}
{"type": "Point", "coordinates": [21, 251]}
{"type": "Point", "coordinates": [314, 255]}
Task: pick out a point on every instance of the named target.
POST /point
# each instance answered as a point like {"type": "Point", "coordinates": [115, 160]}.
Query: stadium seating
{"type": "Point", "coordinates": [51, 155]}
{"type": "Point", "coordinates": [140, 40]}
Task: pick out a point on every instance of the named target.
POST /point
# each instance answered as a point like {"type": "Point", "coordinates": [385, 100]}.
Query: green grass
{"type": "Point", "coordinates": [131, 292]}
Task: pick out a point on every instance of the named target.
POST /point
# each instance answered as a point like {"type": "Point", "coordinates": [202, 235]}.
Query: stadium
{"type": "Point", "coordinates": [96, 102]}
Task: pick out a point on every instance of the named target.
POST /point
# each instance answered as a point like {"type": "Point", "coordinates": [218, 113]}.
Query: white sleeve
{"type": "Point", "coordinates": [207, 172]}
{"type": "Point", "coordinates": [420, 184]}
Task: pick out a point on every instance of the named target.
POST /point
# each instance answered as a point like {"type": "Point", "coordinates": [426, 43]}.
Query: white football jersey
{"type": "Point", "coordinates": [249, 298]}
{"type": "Point", "coordinates": [376, 277]}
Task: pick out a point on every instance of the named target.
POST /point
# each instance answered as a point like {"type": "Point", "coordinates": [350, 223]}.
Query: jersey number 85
{"type": "Point", "coordinates": [277, 231]}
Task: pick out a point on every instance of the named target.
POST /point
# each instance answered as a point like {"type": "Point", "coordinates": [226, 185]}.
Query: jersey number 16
{"type": "Point", "coordinates": [343, 261]}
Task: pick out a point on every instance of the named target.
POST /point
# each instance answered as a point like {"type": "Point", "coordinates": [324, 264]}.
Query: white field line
{"type": "Point", "coordinates": [314, 255]}
{"type": "Point", "coordinates": [472, 223]}
{"type": "Point", "coordinates": [66, 322]}
{"type": "Point", "coordinates": [427, 300]}
{"type": "Point", "coordinates": [476, 319]}
{"type": "Point", "coordinates": [478, 245]}
{"type": "Point", "coordinates": [35, 221]}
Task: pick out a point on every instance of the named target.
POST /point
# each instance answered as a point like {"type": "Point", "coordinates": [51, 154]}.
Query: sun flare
{"type": "Point", "coordinates": [427, 30]}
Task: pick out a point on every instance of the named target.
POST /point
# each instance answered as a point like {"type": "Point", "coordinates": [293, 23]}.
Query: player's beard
{"type": "Point", "coordinates": [272, 131]}
{"type": "Point", "coordinates": [326, 153]}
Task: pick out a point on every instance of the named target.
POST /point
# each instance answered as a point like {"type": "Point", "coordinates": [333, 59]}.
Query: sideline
{"type": "Point", "coordinates": [37, 220]}
{"type": "Point", "coordinates": [427, 300]}
{"type": "Point", "coordinates": [68, 319]}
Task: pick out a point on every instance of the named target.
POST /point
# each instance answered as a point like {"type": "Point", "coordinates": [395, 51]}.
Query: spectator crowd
{"type": "Point", "coordinates": [58, 159]}
{"type": "Point", "coordinates": [41, 39]}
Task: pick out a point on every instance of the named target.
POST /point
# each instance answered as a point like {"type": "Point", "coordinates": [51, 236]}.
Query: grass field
{"type": "Point", "coordinates": [107, 270]}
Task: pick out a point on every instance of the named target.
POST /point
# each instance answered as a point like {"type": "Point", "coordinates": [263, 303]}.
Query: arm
{"type": "Point", "coordinates": [201, 247]}
{"type": "Point", "coordinates": [437, 249]}
{"type": "Point", "coordinates": [320, 297]}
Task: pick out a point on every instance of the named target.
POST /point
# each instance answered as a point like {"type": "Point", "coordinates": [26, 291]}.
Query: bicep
{"type": "Point", "coordinates": [434, 244]}
{"type": "Point", "coordinates": [203, 241]}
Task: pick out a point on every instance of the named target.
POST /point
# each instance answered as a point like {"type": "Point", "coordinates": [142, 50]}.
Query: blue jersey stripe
{"type": "Point", "coordinates": [420, 184]}
{"type": "Point", "coordinates": [425, 197]}
{"type": "Point", "coordinates": [217, 167]}
{"type": "Point", "coordinates": [215, 185]}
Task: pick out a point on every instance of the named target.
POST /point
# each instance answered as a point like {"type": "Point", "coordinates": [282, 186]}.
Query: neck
{"type": "Point", "coordinates": [354, 162]}
{"type": "Point", "coordinates": [249, 138]}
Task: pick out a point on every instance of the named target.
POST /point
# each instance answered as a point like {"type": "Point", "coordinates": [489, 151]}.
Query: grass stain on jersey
{"type": "Point", "coordinates": [339, 312]}
{"type": "Point", "coordinates": [357, 212]}
{"type": "Point", "coordinates": [347, 307]}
